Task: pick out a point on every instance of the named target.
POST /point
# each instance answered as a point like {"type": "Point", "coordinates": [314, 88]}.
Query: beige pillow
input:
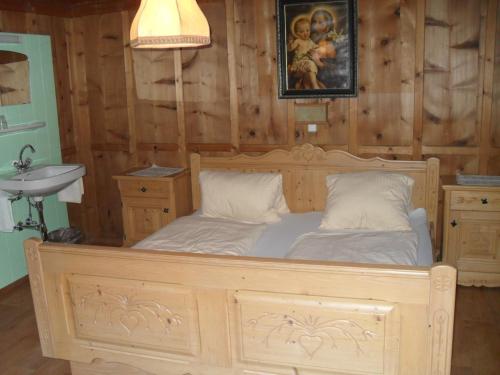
{"type": "Point", "coordinates": [246, 197]}
{"type": "Point", "coordinates": [368, 200]}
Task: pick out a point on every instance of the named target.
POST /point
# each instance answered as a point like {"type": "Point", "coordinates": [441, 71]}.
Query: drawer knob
{"type": "Point", "coordinates": [143, 189]}
{"type": "Point", "coordinates": [454, 223]}
{"type": "Point", "coordinates": [166, 210]}
{"type": "Point", "coordinates": [484, 200]}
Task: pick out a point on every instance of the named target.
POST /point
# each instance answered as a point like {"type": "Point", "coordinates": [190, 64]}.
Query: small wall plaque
{"type": "Point", "coordinates": [311, 113]}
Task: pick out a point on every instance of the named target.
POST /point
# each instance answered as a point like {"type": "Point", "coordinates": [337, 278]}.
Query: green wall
{"type": "Point", "coordinates": [43, 107]}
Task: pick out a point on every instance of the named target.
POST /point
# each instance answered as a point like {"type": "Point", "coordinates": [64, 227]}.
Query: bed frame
{"type": "Point", "coordinates": [138, 312]}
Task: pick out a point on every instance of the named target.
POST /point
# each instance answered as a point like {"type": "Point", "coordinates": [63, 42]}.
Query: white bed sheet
{"type": "Point", "coordinates": [268, 241]}
{"type": "Point", "coordinates": [204, 235]}
{"type": "Point", "coordinates": [375, 247]}
{"type": "Point", "coordinates": [278, 238]}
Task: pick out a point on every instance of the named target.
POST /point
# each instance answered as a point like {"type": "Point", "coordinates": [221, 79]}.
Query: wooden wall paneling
{"type": "Point", "coordinates": [12, 22]}
{"type": "Point", "coordinates": [495, 89]}
{"type": "Point", "coordinates": [494, 165]}
{"type": "Point", "coordinates": [130, 84]}
{"type": "Point", "coordinates": [110, 163]}
{"type": "Point", "coordinates": [333, 133]}
{"type": "Point", "coordinates": [54, 27]}
{"type": "Point", "coordinates": [437, 116]}
{"type": "Point", "coordinates": [81, 120]}
{"type": "Point", "coordinates": [453, 162]}
{"type": "Point", "coordinates": [106, 78]}
{"type": "Point", "coordinates": [155, 106]}
{"type": "Point", "coordinates": [486, 139]}
{"type": "Point", "coordinates": [63, 89]}
{"type": "Point", "coordinates": [181, 111]}
{"type": "Point", "coordinates": [65, 8]}
{"type": "Point", "coordinates": [50, 7]}
{"type": "Point", "coordinates": [263, 118]}
{"type": "Point", "coordinates": [419, 79]}
{"type": "Point", "coordinates": [107, 92]}
{"type": "Point", "coordinates": [429, 73]}
{"type": "Point", "coordinates": [353, 126]}
{"type": "Point", "coordinates": [386, 70]}
{"type": "Point", "coordinates": [466, 46]}
{"type": "Point", "coordinates": [452, 104]}
{"type": "Point", "coordinates": [205, 74]}
{"type": "Point", "coordinates": [232, 59]}
{"type": "Point", "coordinates": [292, 134]}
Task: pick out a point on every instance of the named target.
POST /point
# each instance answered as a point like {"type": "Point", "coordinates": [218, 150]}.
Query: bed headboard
{"type": "Point", "coordinates": [304, 169]}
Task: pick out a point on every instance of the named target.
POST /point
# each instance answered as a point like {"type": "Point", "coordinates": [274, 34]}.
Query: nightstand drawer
{"type": "Point", "coordinates": [475, 200]}
{"type": "Point", "coordinates": [144, 188]}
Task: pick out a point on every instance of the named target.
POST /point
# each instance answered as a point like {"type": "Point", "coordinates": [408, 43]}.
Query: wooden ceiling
{"type": "Point", "coordinates": [68, 8]}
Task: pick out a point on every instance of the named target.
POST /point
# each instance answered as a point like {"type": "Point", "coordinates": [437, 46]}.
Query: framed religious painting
{"type": "Point", "coordinates": [317, 48]}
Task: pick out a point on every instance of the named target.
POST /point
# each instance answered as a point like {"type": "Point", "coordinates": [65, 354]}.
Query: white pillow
{"type": "Point", "coordinates": [368, 200]}
{"type": "Point", "coordinates": [246, 197]}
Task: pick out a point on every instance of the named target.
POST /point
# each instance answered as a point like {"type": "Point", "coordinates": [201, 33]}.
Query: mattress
{"type": "Point", "coordinates": [271, 241]}
{"type": "Point", "coordinates": [278, 238]}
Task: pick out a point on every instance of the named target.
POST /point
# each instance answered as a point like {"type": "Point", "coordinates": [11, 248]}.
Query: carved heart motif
{"type": "Point", "coordinates": [129, 322]}
{"type": "Point", "coordinates": [311, 344]}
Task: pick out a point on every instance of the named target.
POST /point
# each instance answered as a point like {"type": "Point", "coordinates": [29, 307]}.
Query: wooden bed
{"type": "Point", "coordinates": [125, 311]}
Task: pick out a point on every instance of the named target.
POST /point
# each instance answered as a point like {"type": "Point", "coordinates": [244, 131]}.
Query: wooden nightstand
{"type": "Point", "coordinates": [150, 203]}
{"type": "Point", "coordinates": [472, 233]}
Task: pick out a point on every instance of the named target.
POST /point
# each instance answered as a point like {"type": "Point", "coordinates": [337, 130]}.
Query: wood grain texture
{"type": "Point", "coordinates": [304, 169]}
{"type": "Point", "coordinates": [65, 8]}
{"type": "Point", "coordinates": [495, 113]}
{"type": "Point", "coordinates": [452, 85]}
{"type": "Point", "coordinates": [476, 341]}
{"type": "Point", "coordinates": [263, 118]}
{"type": "Point", "coordinates": [378, 316]}
{"type": "Point", "coordinates": [206, 83]}
{"type": "Point", "coordinates": [429, 73]}
{"type": "Point", "coordinates": [148, 204]}
{"type": "Point", "coordinates": [472, 233]}
{"type": "Point", "coordinates": [387, 52]}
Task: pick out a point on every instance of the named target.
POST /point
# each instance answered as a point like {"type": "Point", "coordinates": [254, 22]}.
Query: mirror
{"type": "Point", "coordinates": [14, 78]}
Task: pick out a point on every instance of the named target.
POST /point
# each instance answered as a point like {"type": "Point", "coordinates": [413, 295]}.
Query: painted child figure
{"type": "Point", "coordinates": [303, 64]}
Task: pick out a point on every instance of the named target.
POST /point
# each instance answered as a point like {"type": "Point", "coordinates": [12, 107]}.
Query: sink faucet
{"type": "Point", "coordinates": [22, 165]}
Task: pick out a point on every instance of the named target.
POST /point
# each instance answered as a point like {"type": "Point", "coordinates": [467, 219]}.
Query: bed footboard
{"type": "Point", "coordinates": [138, 312]}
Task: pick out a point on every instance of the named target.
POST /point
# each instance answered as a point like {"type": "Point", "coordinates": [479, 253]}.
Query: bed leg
{"type": "Point", "coordinates": [39, 296]}
{"type": "Point", "coordinates": [441, 316]}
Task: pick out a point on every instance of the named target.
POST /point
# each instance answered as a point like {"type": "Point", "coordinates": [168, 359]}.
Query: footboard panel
{"type": "Point", "coordinates": [349, 336]}
{"type": "Point", "coordinates": [145, 315]}
{"type": "Point", "coordinates": [140, 312]}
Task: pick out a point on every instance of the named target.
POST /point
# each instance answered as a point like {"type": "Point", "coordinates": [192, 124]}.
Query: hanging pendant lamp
{"type": "Point", "coordinates": [169, 24]}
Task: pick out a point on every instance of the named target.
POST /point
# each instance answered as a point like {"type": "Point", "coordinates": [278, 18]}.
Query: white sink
{"type": "Point", "coordinates": [42, 180]}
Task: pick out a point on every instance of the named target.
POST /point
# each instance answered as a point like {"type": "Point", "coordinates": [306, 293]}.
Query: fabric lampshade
{"type": "Point", "coordinates": [169, 24]}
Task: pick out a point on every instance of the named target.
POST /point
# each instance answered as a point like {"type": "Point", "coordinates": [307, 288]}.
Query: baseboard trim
{"type": "Point", "coordinates": [9, 288]}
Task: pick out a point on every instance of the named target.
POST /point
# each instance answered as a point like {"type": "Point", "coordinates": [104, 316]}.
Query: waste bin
{"type": "Point", "coordinates": [66, 235]}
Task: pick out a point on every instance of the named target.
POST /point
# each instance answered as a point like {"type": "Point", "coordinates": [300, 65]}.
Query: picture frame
{"type": "Point", "coordinates": [317, 48]}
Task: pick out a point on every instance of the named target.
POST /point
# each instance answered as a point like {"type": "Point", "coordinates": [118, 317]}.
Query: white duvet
{"type": "Point", "coordinates": [204, 235]}
{"type": "Point", "coordinates": [357, 247]}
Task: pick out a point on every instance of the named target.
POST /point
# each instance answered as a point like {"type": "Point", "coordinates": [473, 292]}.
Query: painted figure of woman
{"type": "Point", "coordinates": [332, 51]}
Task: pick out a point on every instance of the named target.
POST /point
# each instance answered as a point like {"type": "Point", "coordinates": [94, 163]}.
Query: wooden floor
{"type": "Point", "coordinates": [476, 346]}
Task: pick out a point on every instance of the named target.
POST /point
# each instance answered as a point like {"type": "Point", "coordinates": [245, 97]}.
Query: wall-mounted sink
{"type": "Point", "coordinates": [42, 180]}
